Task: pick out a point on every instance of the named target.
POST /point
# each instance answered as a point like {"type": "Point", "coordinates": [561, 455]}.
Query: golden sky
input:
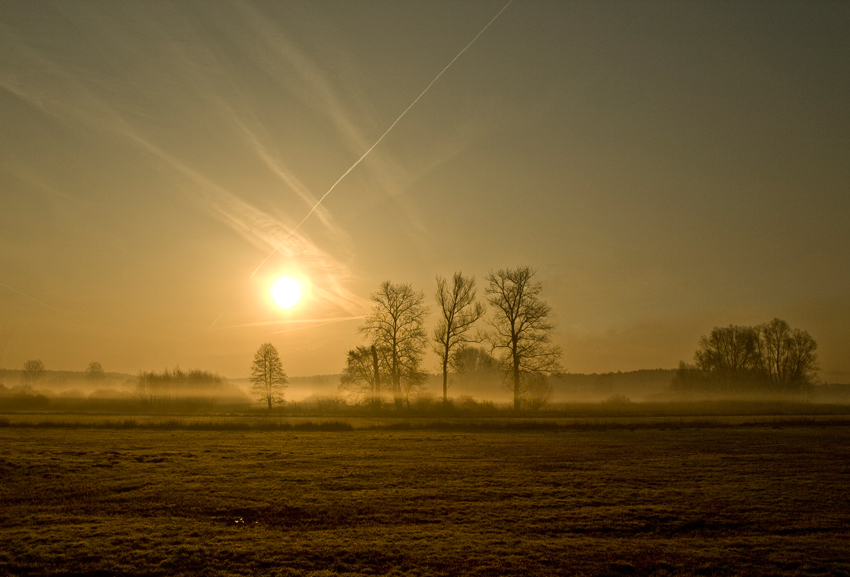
{"type": "Point", "coordinates": [666, 167]}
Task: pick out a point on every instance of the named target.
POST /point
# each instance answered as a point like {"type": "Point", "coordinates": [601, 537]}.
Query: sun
{"type": "Point", "coordinates": [286, 292]}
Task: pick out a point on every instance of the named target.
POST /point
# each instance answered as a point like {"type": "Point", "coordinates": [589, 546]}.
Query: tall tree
{"type": "Point", "coordinates": [363, 373]}
{"type": "Point", "coordinates": [730, 354]}
{"type": "Point", "coordinates": [395, 327]}
{"type": "Point", "coordinates": [267, 376]}
{"type": "Point", "coordinates": [787, 356]}
{"type": "Point", "coordinates": [522, 331]}
{"type": "Point", "coordinates": [33, 371]}
{"type": "Point", "coordinates": [460, 311]}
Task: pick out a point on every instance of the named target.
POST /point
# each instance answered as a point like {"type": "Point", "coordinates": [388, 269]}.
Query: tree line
{"type": "Point", "coordinates": [34, 371]}
{"type": "Point", "coordinates": [518, 333]}
{"type": "Point", "coordinates": [515, 341]}
{"type": "Point", "coordinates": [770, 357]}
{"type": "Point", "coordinates": [519, 336]}
{"type": "Point", "coordinates": [154, 389]}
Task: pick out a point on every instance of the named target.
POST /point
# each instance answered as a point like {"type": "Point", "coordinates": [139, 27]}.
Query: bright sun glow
{"type": "Point", "coordinates": [286, 292]}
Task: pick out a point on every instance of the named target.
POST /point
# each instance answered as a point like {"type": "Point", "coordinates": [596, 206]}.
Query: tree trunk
{"type": "Point", "coordinates": [445, 380]}
{"type": "Point", "coordinates": [516, 388]}
{"type": "Point", "coordinates": [396, 379]}
{"type": "Point", "coordinates": [269, 391]}
{"type": "Point", "coordinates": [376, 389]}
{"type": "Point", "coordinates": [516, 380]}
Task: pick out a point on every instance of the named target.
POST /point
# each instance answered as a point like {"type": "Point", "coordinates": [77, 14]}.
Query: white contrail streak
{"type": "Point", "coordinates": [42, 303]}
{"type": "Point", "coordinates": [377, 142]}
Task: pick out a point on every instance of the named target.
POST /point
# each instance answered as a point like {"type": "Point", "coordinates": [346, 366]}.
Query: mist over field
{"type": "Point", "coordinates": [68, 390]}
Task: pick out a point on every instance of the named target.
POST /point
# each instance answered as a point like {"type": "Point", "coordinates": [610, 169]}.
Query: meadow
{"type": "Point", "coordinates": [407, 497]}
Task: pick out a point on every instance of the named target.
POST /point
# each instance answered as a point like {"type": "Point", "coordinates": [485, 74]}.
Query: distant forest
{"type": "Point", "coordinates": [771, 357]}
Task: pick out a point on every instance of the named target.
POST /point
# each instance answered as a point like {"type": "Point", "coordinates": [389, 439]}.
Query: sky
{"type": "Point", "coordinates": [665, 167]}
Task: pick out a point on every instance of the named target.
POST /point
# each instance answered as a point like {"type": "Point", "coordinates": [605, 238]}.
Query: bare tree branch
{"type": "Point", "coordinates": [521, 330]}
{"type": "Point", "coordinates": [396, 329]}
{"type": "Point", "coordinates": [460, 311]}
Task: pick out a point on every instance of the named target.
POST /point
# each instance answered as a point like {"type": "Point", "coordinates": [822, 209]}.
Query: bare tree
{"type": "Point", "coordinates": [363, 373]}
{"type": "Point", "coordinates": [787, 356]}
{"type": "Point", "coordinates": [267, 376]}
{"type": "Point", "coordinates": [460, 311]}
{"type": "Point", "coordinates": [395, 327]}
{"type": "Point", "coordinates": [411, 381]}
{"type": "Point", "coordinates": [95, 372]}
{"type": "Point", "coordinates": [769, 356]}
{"type": "Point", "coordinates": [522, 331]}
{"type": "Point", "coordinates": [33, 371]}
{"type": "Point", "coordinates": [730, 355]}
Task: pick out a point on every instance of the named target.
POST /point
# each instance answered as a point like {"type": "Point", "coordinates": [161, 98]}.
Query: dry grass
{"type": "Point", "coordinates": [759, 500]}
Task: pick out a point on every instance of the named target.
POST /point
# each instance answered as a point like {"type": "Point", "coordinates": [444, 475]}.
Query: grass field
{"type": "Point", "coordinates": [694, 500]}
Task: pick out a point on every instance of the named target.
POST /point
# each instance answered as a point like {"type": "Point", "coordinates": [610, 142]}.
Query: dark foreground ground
{"type": "Point", "coordinates": [692, 501]}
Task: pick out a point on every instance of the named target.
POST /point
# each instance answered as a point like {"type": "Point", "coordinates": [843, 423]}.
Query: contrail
{"type": "Point", "coordinates": [377, 142]}
{"type": "Point", "coordinates": [42, 303]}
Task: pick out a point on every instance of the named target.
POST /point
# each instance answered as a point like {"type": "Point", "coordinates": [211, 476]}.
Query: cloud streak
{"type": "Point", "coordinates": [128, 109]}
{"type": "Point", "coordinates": [381, 138]}
{"type": "Point", "coordinates": [86, 97]}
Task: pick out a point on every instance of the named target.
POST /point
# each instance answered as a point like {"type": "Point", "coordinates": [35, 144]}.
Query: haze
{"type": "Point", "coordinates": [665, 167]}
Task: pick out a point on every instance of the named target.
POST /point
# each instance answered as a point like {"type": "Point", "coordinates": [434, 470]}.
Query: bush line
{"type": "Point", "coordinates": [439, 425]}
{"type": "Point", "coordinates": [176, 424]}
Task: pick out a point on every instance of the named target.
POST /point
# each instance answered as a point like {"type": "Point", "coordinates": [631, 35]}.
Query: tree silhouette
{"type": "Point", "coordinates": [786, 356]}
{"type": "Point", "coordinates": [770, 356]}
{"type": "Point", "coordinates": [730, 354]}
{"type": "Point", "coordinates": [522, 332]}
{"type": "Point", "coordinates": [363, 374]}
{"type": "Point", "coordinates": [177, 385]}
{"type": "Point", "coordinates": [33, 371]}
{"type": "Point", "coordinates": [395, 328]}
{"type": "Point", "coordinates": [95, 372]}
{"type": "Point", "coordinates": [460, 311]}
{"type": "Point", "coordinates": [267, 376]}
